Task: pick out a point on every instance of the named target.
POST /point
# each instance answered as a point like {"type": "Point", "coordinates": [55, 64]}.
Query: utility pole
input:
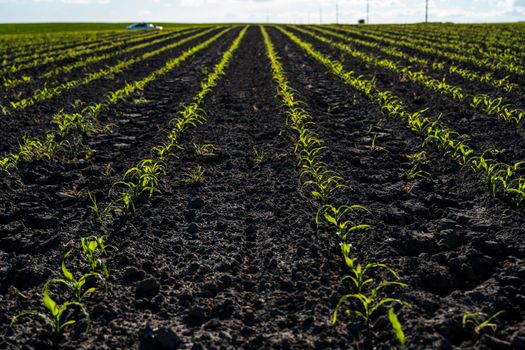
{"type": "Point", "coordinates": [267, 16]}
{"type": "Point", "coordinates": [320, 15]}
{"type": "Point", "coordinates": [336, 13]}
{"type": "Point", "coordinates": [368, 11]}
{"type": "Point", "coordinates": [426, 12]}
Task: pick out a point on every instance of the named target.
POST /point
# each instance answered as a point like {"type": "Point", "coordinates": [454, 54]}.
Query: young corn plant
{"type": "Point", "coordinates": [33, 148]}
{"type": "Point", "coordinates": [58, 316]}
{"type": "Point", "coordinates": [101, 214]}
{"type": "Point", "coordinates": [340, 218]}
{"type": "Point", "coordinates": [417, 160]}
{"type": "Point", "coordinates": [79, 287]}
{"type": "Point", "coordinates": [146, 176]}
{"type": "Point", "coordinates": [9, 162]}
{"type": "Point", "coordinates": [374, 147]}
{"type": "Point", "coordinates": [369, 295]}
{"type": "Point", "coordinates": [95, 249]}
{"type": "Point", "coordinates": [323, 182]}
{"type": "Point", "coordinates": [480, 321]}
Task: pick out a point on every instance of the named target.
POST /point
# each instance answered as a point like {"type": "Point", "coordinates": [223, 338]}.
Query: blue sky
{"type": "Point", "coordinates": [290, 11]}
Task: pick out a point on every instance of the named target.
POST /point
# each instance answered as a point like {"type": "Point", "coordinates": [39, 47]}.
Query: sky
{"type": "Point", "coordinates": [275, 11]}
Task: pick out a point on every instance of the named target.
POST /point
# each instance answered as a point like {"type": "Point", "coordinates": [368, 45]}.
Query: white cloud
{"type": "Point", "coordinates": [84, 2]}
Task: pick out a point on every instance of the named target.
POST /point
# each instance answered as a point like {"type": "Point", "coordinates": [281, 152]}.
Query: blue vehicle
{"type": "Point", "coordinates": [143, 26]}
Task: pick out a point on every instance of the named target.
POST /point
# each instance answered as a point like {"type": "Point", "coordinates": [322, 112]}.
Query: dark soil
{"type": "Point", "coordinates": [238, 262]}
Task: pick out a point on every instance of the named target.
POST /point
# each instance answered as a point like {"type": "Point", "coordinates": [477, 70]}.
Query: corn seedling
{"type": "Point", "coordinates": [9, 162]}
{"type": "Point", "coordinates": [417, 160]}
{"type": "Point", "coordinates": [101, 215]}
{"type": "Point", "coordinates": [146, 176]}
{"type": "Point", "coordinates": [33, 148]}
{"type": "Point", "coordinates": [95, 250]}
{"type": "Point", "coordinates": [374, 147]}
{"type": "Point", "coordinates": [58, 316]}
{"type": "Point", "coordinates": [79, 287]}
{"type": "Point", "coordinates": [369, 296]}
{"type": "Point", "coordinates": [476, 320]}
{"type": "Point", "coordinates": [339, 217]}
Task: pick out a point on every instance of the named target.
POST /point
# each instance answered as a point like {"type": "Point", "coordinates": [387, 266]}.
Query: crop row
{"type": "Point", "coordinates": [86, 120]}
{"type": "Point", "coordinates": [483, 64]}
{"type": "Point", "coordinates": [145, 178]}
{"type": "Point", "coordinates": [368, 294]}
{"type": "Point", "coordinates": [492, 106]}
{"type": "Point", "coordinates": [11, 79]}
{"type": "Point", "coordinates": [47, 93]}
{"type": "Point", "coordinates": [482, 51]}
{"type": "Point", "coordinates": [58, 55]}
{"type": "Point", "coordinates": [388, 46]}
{"type": "Point", "coordinates": [491, 36]}
{"type": "Point", "coordinates": [502, 178]}
{"type": "Point", "coordinates": [19, 46]}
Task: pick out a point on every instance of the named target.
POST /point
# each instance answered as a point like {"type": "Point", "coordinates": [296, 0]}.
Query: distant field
{"type": "Point", "coordinates": [28, 28]}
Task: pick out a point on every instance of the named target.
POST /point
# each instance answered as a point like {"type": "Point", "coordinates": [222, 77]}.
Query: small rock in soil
{"type": "Point", "coordinates": [168, 338]}
{"type": "Point", "coordinates": [221, 226]}
{"type": "Point", "coordinates": [395, 217]}
{"type": "Point", "coordinates": [148, 286]}
{"type": "Point", "coordinates": [133, 274]}
{"type": "Point", "coordinates": [197, 313]}
{"type": "Point", "coordinates": [196, 203]}
{"type": "Point", "coordinates": [193, 229]}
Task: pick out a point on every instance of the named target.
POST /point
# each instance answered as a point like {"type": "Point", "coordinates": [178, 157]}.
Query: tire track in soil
{"type": "Point", "coordinates": [35, 120]}
{"type": "Point", "coordinates": [471, 125]}
{"type": "Point", "coordinates": [39, 209]}
{"type": "Point", "coordinates": [235, 262]}
{"type": "Point", "coordinates": [457, 247]}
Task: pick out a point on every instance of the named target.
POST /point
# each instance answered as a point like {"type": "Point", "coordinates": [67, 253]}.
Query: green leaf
{"type": "Point", "coordinates": [89, 291]}
{"type": "Point", "coordinates": [330, 218]}
{"type": "Point", "coordinates": [396, 325]}
{"type": "Point", "coordinates": [49, 303]}
{"type": "Point", "coordinates": [67, 274]}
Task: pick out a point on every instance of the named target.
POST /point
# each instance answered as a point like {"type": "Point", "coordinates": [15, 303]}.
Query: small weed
{"type": "Point", "coordinates": [205, 150]}
{"type": "Point", "coordinates": [259, 156]}
{"type": "Point", "coordinates": [194, 176]}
